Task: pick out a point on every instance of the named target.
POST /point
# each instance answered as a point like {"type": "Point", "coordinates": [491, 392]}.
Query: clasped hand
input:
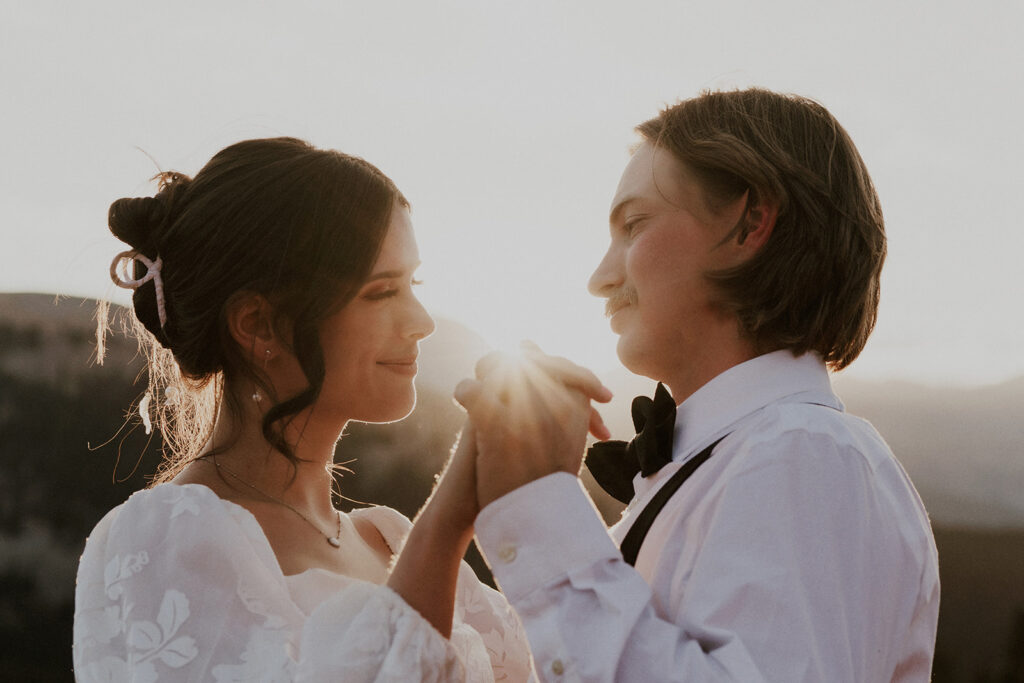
{"type": "Point", "coordinates": [528, 417]}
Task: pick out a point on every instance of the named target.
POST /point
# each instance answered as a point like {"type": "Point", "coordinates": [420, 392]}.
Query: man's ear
{"type": "Point", "coordinates": [758, 223]}
{"type": "Point", "coordinates": [250, 322]}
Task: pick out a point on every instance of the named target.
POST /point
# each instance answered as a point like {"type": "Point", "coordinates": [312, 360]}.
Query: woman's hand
{"type": "Point", "coordinates": [531, 417]}
{"type": "Point", "coordinates": [453, 503]}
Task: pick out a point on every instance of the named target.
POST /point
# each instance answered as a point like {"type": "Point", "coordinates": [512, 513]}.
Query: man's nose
{"type": "Point", "coordinates": [607, 277]}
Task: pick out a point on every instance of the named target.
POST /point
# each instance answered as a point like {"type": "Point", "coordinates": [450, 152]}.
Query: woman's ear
{"type": "Point", "coordinates": [250, 322]}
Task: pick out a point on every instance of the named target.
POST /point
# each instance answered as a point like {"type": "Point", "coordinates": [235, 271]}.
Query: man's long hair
{"type": "Point", "coordinates": [814, 286]}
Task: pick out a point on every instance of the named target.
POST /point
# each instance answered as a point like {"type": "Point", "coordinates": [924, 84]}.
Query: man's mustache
{"type": "Point", "coordinates": [618, 299]}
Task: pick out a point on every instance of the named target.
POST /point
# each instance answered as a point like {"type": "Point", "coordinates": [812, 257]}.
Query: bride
{"type": "Point", "coordinates": [273, 294]}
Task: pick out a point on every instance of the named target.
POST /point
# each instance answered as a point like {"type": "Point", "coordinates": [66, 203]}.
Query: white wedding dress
{"type": "Point", "coordinates": [177, 584]}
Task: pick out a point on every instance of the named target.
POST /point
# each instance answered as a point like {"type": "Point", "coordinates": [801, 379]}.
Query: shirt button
{"type": "Point", "coordinates": [507, 553]}
{"type": "Point", "coordinates": [557, 668]}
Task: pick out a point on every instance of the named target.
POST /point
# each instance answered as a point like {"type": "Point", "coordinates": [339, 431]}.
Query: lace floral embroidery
{"type": "Point", "coordinates": [120, 569]}
{"type": "Point", "coordinates": [148, 642]}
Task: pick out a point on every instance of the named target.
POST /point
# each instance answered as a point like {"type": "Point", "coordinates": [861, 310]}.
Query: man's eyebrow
{"type": "Point", "coordinates": [620, 207]}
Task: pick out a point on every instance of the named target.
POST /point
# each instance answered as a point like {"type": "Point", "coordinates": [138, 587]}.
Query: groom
{"type": "Point", "coordinates": [770, 536]}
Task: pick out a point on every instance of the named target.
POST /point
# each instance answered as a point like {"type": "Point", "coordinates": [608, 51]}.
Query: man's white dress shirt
{"type": "Point", "coordinates": [799, 551]}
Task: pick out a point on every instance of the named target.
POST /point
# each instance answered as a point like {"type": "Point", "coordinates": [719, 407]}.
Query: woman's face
{"type": "Point", "coordinates": [371, 345]}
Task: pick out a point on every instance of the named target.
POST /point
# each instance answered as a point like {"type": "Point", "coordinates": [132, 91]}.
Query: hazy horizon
{"type": "Point", "coordinates": [636, 382]}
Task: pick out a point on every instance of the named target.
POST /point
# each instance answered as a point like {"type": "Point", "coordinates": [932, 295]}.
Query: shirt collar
{"type": "Point", "coordinates": [713, 409]}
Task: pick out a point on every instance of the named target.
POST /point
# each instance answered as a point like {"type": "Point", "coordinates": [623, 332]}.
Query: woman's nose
{"type": "Point", "coordinates": [420, 324]}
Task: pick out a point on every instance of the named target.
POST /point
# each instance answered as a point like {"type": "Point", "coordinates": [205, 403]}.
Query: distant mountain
{"type": "Point", "coordinates": [963, 448]}
{"type": "Point", "coordinates": [52, 339]}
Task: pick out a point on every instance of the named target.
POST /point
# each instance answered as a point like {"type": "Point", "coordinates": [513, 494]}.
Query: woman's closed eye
{"type": "Point", "coordinates": [388, 292]}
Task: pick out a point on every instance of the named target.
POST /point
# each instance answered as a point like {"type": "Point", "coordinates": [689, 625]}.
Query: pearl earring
{"type": "Point", "coordinates": [256, 395]}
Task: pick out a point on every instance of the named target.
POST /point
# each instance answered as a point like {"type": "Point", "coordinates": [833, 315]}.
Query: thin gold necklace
{"type": "Point", "coordinates": [335, 541]}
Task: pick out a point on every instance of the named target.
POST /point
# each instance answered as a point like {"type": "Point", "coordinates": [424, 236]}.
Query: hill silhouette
{"type": "Point", "coordinates": [963, 447]}
{"type": "Point", "coordinates": [70, 450]}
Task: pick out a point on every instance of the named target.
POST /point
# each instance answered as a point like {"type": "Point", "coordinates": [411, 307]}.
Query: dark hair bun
{"type": "Point", "coordinates": [132, 219]}
{"type": "Point", "coordinates": [139, 221]}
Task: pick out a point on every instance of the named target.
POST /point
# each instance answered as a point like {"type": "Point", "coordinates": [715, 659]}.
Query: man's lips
{"type": "Point", "coordinates": [611, 308]}
{"type": "Point", "coordinates": [614, 317]}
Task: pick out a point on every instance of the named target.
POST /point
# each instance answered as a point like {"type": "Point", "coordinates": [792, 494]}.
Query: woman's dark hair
{"type": "Point", "coordinates": [814, 285]}
{"type": "Point", "coordinates": [278, 217]}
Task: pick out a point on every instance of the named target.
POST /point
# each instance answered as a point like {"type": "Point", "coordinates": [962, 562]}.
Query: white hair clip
{"type": "Point", "coordinates": [119, 274]}
{"type": "Point", "coordinates": [147, 421]}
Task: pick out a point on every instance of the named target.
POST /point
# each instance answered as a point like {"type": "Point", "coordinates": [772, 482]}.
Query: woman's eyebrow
{"type": "Point", "coordinates": [389, 274]}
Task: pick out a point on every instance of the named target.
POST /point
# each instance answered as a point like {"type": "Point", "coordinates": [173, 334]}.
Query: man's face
{"type": "Point", "coordinates": [663, 240]}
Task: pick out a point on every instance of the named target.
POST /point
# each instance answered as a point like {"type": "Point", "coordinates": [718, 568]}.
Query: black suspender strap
{"type": "Point", "coordinates": [634, 538]}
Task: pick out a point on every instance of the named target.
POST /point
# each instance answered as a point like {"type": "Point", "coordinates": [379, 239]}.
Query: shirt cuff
{"type": "Point", "coordinates": [541, 532]}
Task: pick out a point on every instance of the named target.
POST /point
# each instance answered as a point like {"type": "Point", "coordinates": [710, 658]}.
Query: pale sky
{"type": "Point", "coordinates": [507, 125]}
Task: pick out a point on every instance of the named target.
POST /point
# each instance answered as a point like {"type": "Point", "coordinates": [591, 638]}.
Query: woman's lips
{"type": "Point", "coordinates": [402, 366]}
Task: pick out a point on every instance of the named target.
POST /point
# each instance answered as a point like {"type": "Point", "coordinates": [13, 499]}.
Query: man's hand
{"type": "Point", "coordinates": [531, 417]}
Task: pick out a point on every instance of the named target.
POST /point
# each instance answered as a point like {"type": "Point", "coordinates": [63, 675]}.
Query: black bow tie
{"type": "Point", "coordinates": [614, 464]}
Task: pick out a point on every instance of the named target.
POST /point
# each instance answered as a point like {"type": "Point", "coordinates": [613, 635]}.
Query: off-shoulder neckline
{"type": "Point", "coordinates": [251, 518]}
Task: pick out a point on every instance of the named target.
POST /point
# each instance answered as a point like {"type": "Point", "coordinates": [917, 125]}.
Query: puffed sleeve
{"type": "Point", "coordinates": [176, 585]}
{"type": "Point", "coordinates": [482, 614]}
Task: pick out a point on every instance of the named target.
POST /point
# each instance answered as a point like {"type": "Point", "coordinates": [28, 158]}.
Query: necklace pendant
{"type": "Point", "coordinates": [336, 542]}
